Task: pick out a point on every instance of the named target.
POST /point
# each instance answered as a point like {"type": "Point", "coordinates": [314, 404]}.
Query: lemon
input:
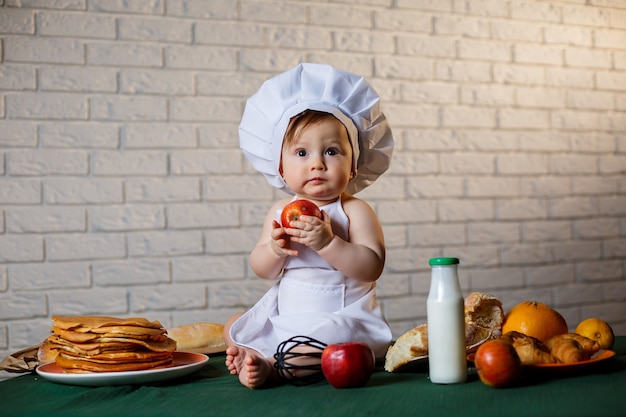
{"type": "Point", "coordinates": [598, 330]}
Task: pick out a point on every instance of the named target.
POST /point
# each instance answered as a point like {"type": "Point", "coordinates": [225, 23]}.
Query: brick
{"type": "Point", "coordinates": [231, 240]}
{"type": "Point", "coordinates": [83, 190]}
{"type": "Point", "coordinates": [151, 190]}
{"type": "Point", "coordinates": [519, 74]}
{"type": "Point", "coordinates": [424, 46]}
{"type": "Point", "coordinates": [129, 162]}
{"type": "Point", "coordinates": [407, 212]}
{"type": "Point", "coordinates": [530, 10]}
{"type": "Point", "coordinates": [17, 21]}
{"type": "Point", "coordinates": [544, 142]}
{"type": "Point", "coordinates": [237, 294]}
{"type": "Point", "coordinates": [570, 77]}
{"type": "Point", "coordinates": [573, 164]}
{"type": "Point", "coordinates": [203, 268]}
{"type": "Point", "coordinates": [131, 272]}
{"type": "Point", "coordinates": [312, 38]}
{"type": "Point", "coordinates": [594, 271]}
{"type": "Point", "coordinates": [573, 120]}
{"type": "Point", "coordinates": [596, 228]}
{"type": "Point", "coordinates": [21, 248]}
{"type": "Point", "coordinates": [78, 79]}
{"type": "Point", "coordinates": [414, 163]}
{"type": "Point", "coordinates": [491, 279]}
{"type": "Point", "coordinates": [168, 297]}
{"type": "Point", "coordinates": [612, 205]}
{"type": "Point", "coordinates": [203, 109]}
{"type": "Point", "coordinates": [359, 41]}
{"type": "Point", "coordinates": [234, 188]}
{"type": "Point", "coordinates": [492, 186]}
{"type": "Point", "coordinates": [518, 31]}
{"type": "Point", "coordinates": [585, 57]}
{"type": "Point", "coordinates": [46, 106]}
{"type": "Point", "coordinates": [568, 35]}
{"type": "Point", "coordinates": [205, 162]}
{"type": "Point", "coordinates": [465, 210]}
{"type": "Point", "coordinates": [611, 80]}
{"type": "Point", "coordinates": [540, 97]}
{"type": "Point", "coordinates": [463, 71]}
{"type": "Point", "coordinates": [404, 68]}
{"type": "Point", "coordinates": [22, 305]}
{"type": "Point", "coordinates": [522, 164]}
{"type": "Point", "coordinates": [574, 207]}
{"type": "Point", "coordinates": [81, 246]}
{"type": "Point", "coordinates": [141, 7]}
{"type": "Point", "coordinates": [436, 93]}
{"type": "Point", "coordinates": [20, 191]}
{"type": "Point", "coordinates": [343, 16]}
{"type": "Point", "coordinates": [586, 16]}
{"type": "Point", "coordinates": [598, 185]}
{"type": "Point", "coordinates": [200, 9]}
{"type": "Point", "coordinates": [200, 57]}
{"type": "Point", "coordinates": [200, 216]}
{"type": "Point", "coordinates": [17, 77]}
{"type": "Point", "coordinates": [523, 119]}
{"type": "Point", "coordinates": [129, 108]}
{"type": "Point", "coordinates": [238, 85]}
{"type": "Point", "coordinates": [528, 254]}
{"type": "Point", "coordinates": [433, 187]}
{"type": "Point", "coordinates": [162, 135]}
{"type": "Point", "coordinates": [49, 276]}
{"type": "Point", "coordinates": [484, 50]}
{"type": "Point", "coordinates": [436, 234]}
{"type": "Point", "coordinates": [16, 133]}
{"type": "Point", "coordinates": [100, 301]}
{"type": "Point", "coordinates": [162, 82]}
{"type": "Point", "coordinates": [461, 116]}
{"type": "Point", "coordinates": [402, 20]}
{"type": "Point", "coordinates": [412, 115]}
{"type": "Point", "coordinates": [79, 25]}
{"type": "Point", "coordinates": [488, 95]}
{"type": "Point", "coordinates": [47, 162]}
{"type": "Point", "coordinates": [521, 209]}
{"type": "Point", "coordinates": [45, 219]}
{"type": "Point", "coordinates": [543, 230]}
{"type": "Point", "coordinates": [127, 217]}
{"type": "Point", "coordinates": [154, 30]}
{"type": "Point", "coordinates": [43, 50]}
{"type": "Point", "coordinates": [546, 186]}
{"type": "Point", "coordinates": [431, 5]}
{"type": "Point", "coordinates": [79, 135]}
{"type": "Point", "coordinates": [165, 243]}
{"type": "Point", "coordinates": [462, 26]}
{"type": "Point", "coordinates": [467, 163]}
{"type": "Point", "coordinates": [130, 54]}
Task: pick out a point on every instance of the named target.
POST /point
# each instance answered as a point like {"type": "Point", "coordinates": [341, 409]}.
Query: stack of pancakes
{"type": "Point", "coordinates": [82, 344]}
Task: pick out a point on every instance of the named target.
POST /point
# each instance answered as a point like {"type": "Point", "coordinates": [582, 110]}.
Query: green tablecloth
{"type": "Point", "coordinates": [599, 391]}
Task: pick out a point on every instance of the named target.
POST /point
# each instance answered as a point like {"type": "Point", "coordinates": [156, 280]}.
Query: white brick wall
{"type": "Point", "coordinates": [123, 190]}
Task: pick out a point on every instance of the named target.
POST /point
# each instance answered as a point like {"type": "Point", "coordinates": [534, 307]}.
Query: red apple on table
{"type": "Point", "coordinates": [348, 365]}
{"type": "Point", "coordinates": [295, 209]}
{"type": "Point", "coordinates": [497, 364]}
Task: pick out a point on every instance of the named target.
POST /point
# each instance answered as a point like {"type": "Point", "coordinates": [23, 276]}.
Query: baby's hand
{"type": "Point", "coordinates": [280, 241]}
{"type": "Point", "coordinates": [311, 231]}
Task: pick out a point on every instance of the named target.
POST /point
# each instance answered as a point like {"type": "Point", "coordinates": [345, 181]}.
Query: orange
{"type": "Point", "coordinates": [598, 330]}
{"type": "Point", "coordinates": [535, 319]}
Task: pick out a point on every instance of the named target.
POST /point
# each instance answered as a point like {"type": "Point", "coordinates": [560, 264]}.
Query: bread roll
{"type": "Point", "coordinates": [200, 337]}
{"type": "Point", "coordinates": [483, 321]}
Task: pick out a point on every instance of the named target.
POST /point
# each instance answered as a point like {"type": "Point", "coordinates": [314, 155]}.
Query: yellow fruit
{"type": "Point", "coordinates": [535, 319]}
{"type": "Point", "coordinates": [598, 330]}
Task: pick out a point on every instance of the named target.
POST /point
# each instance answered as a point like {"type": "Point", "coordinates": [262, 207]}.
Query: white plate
{"type": "Point", "coordinates": [184, 364]}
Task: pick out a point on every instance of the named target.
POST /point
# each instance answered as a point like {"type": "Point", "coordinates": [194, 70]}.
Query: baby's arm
{"type": "Point", "coordinates": [363, 257]}
{"type": "Point", "coordinates": [268, 256]}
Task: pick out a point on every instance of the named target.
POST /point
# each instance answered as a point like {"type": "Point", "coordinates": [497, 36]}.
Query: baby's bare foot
{"type": "Point", "coordinates": [234, 359]}
{"type": "Point", "coordinates": [255, 371]}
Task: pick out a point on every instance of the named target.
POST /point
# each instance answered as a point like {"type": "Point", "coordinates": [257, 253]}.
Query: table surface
{"type": "Point", "coordinates": [211, 391]}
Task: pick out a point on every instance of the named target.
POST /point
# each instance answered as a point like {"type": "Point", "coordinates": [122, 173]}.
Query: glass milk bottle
{"type": "Point", "coordinates": [446, 324]}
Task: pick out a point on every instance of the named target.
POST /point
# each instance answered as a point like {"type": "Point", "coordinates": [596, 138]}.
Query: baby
{"type": "Point", "coordinates": [318, 134]}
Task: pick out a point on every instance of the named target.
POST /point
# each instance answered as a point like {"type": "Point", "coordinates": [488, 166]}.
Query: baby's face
{"type": "Point", "coordinates": [317, 165]}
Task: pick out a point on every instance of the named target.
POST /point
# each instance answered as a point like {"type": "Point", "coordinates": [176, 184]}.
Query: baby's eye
{"type": "Point", "coordinates": [332, 151]}
{"type": "Point", "coordinates": [301, 152]}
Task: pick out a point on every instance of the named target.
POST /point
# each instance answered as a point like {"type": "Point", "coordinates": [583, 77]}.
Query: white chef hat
{"type": "Point", "coordinates": [324, 88]}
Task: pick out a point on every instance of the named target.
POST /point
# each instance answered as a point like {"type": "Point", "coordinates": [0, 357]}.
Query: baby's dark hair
{"type": "Point", "coordinates": [301, 121]}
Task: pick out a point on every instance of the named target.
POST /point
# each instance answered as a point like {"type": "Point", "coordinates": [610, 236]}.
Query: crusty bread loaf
{"type": "Point", "coordinates": [200, 337]}
{"type": "Point", "coordinates": [483, 321]}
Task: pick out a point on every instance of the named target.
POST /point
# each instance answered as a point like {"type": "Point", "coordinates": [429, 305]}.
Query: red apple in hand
{"type": "Point", "coordinates": [348, 365]}
{"type": "Point", "coordinates": [497, 364]}
{"type": "Point", "coordinates": [295, 209]}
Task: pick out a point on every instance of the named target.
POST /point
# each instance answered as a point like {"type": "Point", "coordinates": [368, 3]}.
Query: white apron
{"type": "Point", "coordinates": [314, 299]}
